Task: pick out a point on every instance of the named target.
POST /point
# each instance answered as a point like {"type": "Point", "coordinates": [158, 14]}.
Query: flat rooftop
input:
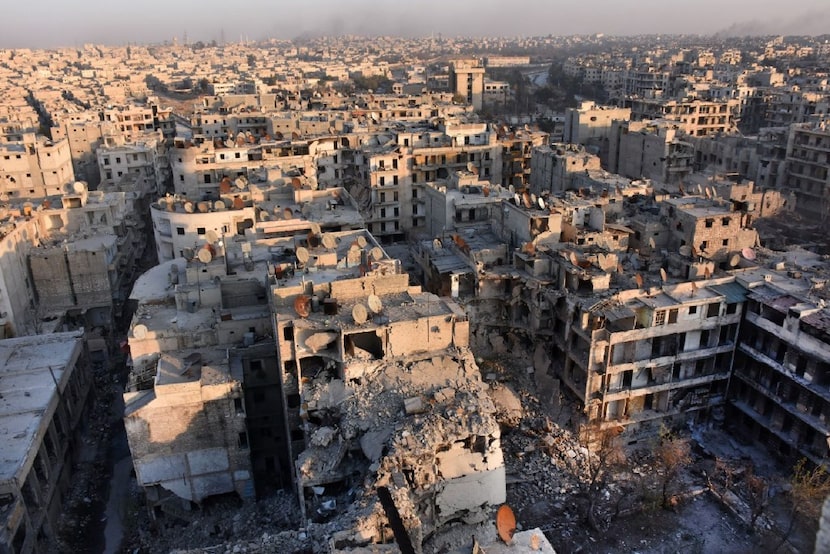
{"type": "Point", "coordinates": [30, 369]}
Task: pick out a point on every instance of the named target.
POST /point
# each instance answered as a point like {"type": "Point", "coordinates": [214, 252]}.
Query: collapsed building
{"type": "Point", "coordinates": [378, 378]}
{"type": "Point", "coordinates": [345, 382]}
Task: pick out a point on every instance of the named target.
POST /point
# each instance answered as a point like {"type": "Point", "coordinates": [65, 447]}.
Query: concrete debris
{"type": "Point", "coordinates": [414, 405]}
{"type": "Point", "coordinates": [498, 344]}
{"type": "Point", "coordinates": [319, 341]}
{"type": "Point", "coordinates": [373, 442]}
{"type": "Point", "coordinates": [508, 404]}
{"type": "Point", "coordinates": [323, 436]}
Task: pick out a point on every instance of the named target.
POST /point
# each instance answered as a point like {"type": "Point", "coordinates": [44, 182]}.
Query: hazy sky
{"type": "Point", "coordinates": [49, 23]}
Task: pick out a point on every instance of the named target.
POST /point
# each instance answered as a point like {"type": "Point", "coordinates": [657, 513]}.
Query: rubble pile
{"type": "Point", "coordinates": [268, 525]}
{"type": "Point", "coordinates": [424, 429]}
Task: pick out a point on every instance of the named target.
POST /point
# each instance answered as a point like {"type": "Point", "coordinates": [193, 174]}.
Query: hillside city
{"type": "Point", "coordinates": [443, 294]}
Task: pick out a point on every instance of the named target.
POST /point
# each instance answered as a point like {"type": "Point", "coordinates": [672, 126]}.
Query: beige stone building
{"type": "Point", "coordinates": [467, 81]}
{"type": "Point", "coordinates": [654, 150]}
{"type": "Point", "coordinates": [35, 167]}
{"type": "Point", "coordinates": [807, 170]}
{"type": "Point", "coordinates": [45, 383]}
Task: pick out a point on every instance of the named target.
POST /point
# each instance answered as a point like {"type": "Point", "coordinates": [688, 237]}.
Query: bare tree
{"type": "Point", "coordinates": [605, 453]}
{"type": "Point", "coordinates": [809, 487]}
{"type": "Point", "coordinates": [757, 492]}
{"type": "Point", "coordinates": [671, 454]}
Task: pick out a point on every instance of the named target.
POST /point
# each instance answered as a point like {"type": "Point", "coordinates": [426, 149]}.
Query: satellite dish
{"type": "Point", "coordinates": [188, 253]}
{"type": "Point", "coordinates": [79, 187]}
{"type": "Point", "coordinates": [302, 305]}
{"type": "Point", "coordinates": [288, 213]}
{"type": "Point", "coordinates": [541, 203]}
{"type": "Point", "coordinates": [699, 189]}
{"type": "Point", "coordinates": [203, 207]}
{"type": "Point", "coordinates": [511, 189]}
{"type": "Point", "coordinates": [376, 253]}
{"type": "Point", "coordinates": [734, 260]}
{"type": "Point", "coordinates": [204, 255]}
{"type": "Point", "coordinates": [359, 314]}
{"type": "Point", "coordinates": [296, 183]}
{"type": "Point", "coordinates": [685, 250]}
{"type": "Point", "coordinates": [315, 228]}
{"type": "Point", "coordinates": [436, 244]}
{"type": "Point", "coordinates": [663, 275]}
{"type": "Point", "coordinates": [526, 200]}
{"type": "Point", "coordinates": [639, 279]}
{"type": "Point", "coordinates": [375, 304]}
{"type": "Point", "coordinates": [361, 241]}
{"type": "Point", "coordinates": [748, 253]}
{"type": "Point", "coordinates": [329, 241]}
{"type": "Point", "coordinates": [188, 207]}
{"type": "Point", "coordinates": [532, 198]}
{"type": "Point", "coordinates": [302, 254]}
{"type": "Point", "coordinates": [573, 258]}
{"type": "Point", "coordinates": [651, 243]}
{"type": "Point", "coordinates": [219, 206]}
{"type": "Point", "coordinates": [312, 240]}
{"type": "Point", "coordinates": [211, 235]}
{"type": "Point", "coordinates": [505, 523]}
{"type": "Point", "coordinates": [516, 199]}
{"type": "Point", "coordinates": [140, 331]}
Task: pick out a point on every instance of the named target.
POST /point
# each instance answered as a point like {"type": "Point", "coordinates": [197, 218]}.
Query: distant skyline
{"type": "Point", "coordinates": [53, 23]}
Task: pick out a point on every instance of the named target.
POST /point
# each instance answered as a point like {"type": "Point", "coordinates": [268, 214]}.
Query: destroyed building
{"type": "Point", "coordinates": [553, 168]}
{"type": "Point", "coordinates": [646, 358]}
{"type": "Point", "coordinates": [778, 393]}
{"type": "Point", "coordinates": [371, 369]}
{"type": "Point", "coordinates": [807, 169]}
{"type": "Point", "coordinates": [45, 383]}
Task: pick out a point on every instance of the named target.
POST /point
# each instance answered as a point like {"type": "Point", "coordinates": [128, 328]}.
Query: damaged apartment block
{"type": "Point", "coordinates": [382, 394]}
{"type": "Point", "coordinates": [310, 361]}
